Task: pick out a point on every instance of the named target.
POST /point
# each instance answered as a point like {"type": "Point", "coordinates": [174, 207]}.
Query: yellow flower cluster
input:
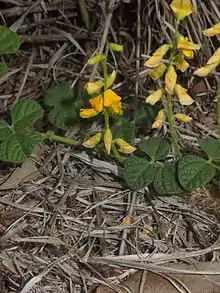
{"type": "Point", "coordinates": [181, 9]}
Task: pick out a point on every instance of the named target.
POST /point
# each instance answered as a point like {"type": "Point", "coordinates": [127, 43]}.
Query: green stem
{"type": "Point", "coordinates": [116, 154]}
{"type": "Point", "coordinates": [106, 118]}
{"type": "Point", "coordinates": [54, 137]}
{"type": "Point", "coordinates": [170, 115]}
{"type": "Point", "coordinates": [218, 107]}
{"type": "Point", "coordinates": [105, 67]}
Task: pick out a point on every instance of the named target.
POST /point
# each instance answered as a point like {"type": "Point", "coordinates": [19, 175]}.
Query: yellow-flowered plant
{"type": "Point", "coordinates": [211, 65]}
{"type": "Point", "coordinates": [180, 49]}
{"type": "Point", "coordinates": [105, 102]}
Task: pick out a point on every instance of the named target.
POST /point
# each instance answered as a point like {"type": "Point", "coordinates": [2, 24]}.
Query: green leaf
{"type": "Point", "coordinates": [145, 115]}
{"type": "Point", "coordinates": [138, 173]}
{"type": "Point", "coordinates": [211, 147]}
{"type": "Point", "coordinates": [3, 68]}
{"type": "Point", "coordinates": [62, 117]}
{"type": "Point", "coordinates": [57, 95]}
{"type": "Point", "coordinates": [5, 130]}
{"type": "Point", "coordinates": [18, 147]}
{"type": "Point", "coordinates": [9, 41]}
{"type": "Point", "coordinates": [124, 129]}
{"type": "Point", "coordinates": [25, 113]}
{"type": "Point", "coordinates": [166, 181]}
{"type": "Point", "coordinates": [194, 172]}
{"type": "Point", "coordinates": [156, 148]}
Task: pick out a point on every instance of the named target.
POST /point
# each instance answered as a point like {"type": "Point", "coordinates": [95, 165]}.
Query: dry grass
{"type": "Point", "coordinates": [63, 232]}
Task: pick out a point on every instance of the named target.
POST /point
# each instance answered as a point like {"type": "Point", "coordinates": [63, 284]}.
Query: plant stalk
{"type": "Point", "coordinates": [170, 115]}
{"type": "Point", "coordinates": [54, 137]}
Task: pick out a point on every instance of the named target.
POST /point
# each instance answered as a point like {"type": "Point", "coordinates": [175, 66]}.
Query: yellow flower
{"type": "Point", "coordinates": [182, 95]}
{"type": "Point", "coordinates": [93, 141]}
{"type": "Point", "coordinates": [212, 31]}
{"type": "Point", "coordinates": [181, 8]}
{"type": "Point", "coordinates": [87, 113]}
{"type": "Point", "coordinates": [94, 87]}
{"type": "Point", "coordinates": [205, 70]}
{"type": "Point", "coordinates": [111, 100]}
{"type": "Point", "coordinates": [157, 57]}
{"type": "Point", "coordinates": [108, 140]}
{"type": "Point", "coordinates": [124, 147]}
{"type": "Point", "coordinates": [183, 118]}
{"type": "Point", "coordinates": [155, 97]}
{"type": "Point", "coordinates": [159, 119]}
{"type": "Point", "coordinates": [170, 79]}
{"type": "Point", "coordinates": [158, 71]}
{"type": "Point", "coordinates": [212, 63]}
{"type": "Point", "coordinates": [180, 63]}
{"type": "Point", "coordinates": [97, 103]}
{"type": "Point", "coordinates": [187, 47]}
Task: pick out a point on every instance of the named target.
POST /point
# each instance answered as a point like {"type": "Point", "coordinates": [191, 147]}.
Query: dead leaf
{"type": "Point", "coordinates": [28, 171]}
{"type": "Point", "coordinates": [165, 283]}
{"type": "Point", "coordinates": [199, 88]}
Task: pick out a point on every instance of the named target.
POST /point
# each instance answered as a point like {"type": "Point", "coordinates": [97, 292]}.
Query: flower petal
{"type": "Point", "coordinates": [215, 58]}
{"type": "Point", "coordinates": [155, 97]}
{"type": "Point", "coordinates": [97, 103]}
{"type": "Point", "coordinates": [184, 44]}
{"type": "Point", "coordinates": [110, 97]}
{"type": "Point", "coordinates": [108, 140]}
{"type": "Point", "coordinates": [158, 71]}
{"type": "Point", "coordinates": [111, 79]}
{"type": "Point", "coordinates": [183, 118]}
{"type": "Point", "coordinates": [212, 31]}
{"type": "Point", "coordinates": [205, 70]}
{"type": "Point", "coordinates": [157, 57]}
{"type": "Point", "coordinates": [170, 79]}
{"type": "Point", "coordinates": [117, 108]}
{"type": "Point", "coordinates": [181, 8]}
{"type": "Point", "coordinates": [93, 141]}
{"type": "Point", "coordinates": [159, 119]}
{"type": "Point", "coordinates": [188, 53]}
{"type": "Point", "coordinates": [182, 95]}
{"type": "Point", "coordinates": [87, 113]}
{"type": "Point", "coordinates": [181, 63]}
{"type": "Point", "coordinates": [94, 87]}
{"type": "Point", "coordinates": [124, 147]}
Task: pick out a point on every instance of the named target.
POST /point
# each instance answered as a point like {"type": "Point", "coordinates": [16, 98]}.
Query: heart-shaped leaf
{"type": "Point", "coordinates": [156, 148]}
{"type": "Point", "coordinates": [18, 147]}
{"type": "Point", "coordinates": [194, 172]}
{"type": "Point", "coordinates": [63, 117]}
{"type": "Point", "coordinates": [5, 130]}
{"type": "Point", "coordinates": [166, 181]}
{"type": "Point", "coordinates": [9, 41]}
{"type": "Point", "coordinates": [124, 129]}
{"type": "Point", "coordinates": [57, 95]}
{"type": "Point", "coordinates": [24, 114]}
{"type": "Point", "coordinates": [145, 115]}
{"type": "Point", "coordinates": [138, 172]}
{"type": "Point", "coordinates": [211, 147]}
